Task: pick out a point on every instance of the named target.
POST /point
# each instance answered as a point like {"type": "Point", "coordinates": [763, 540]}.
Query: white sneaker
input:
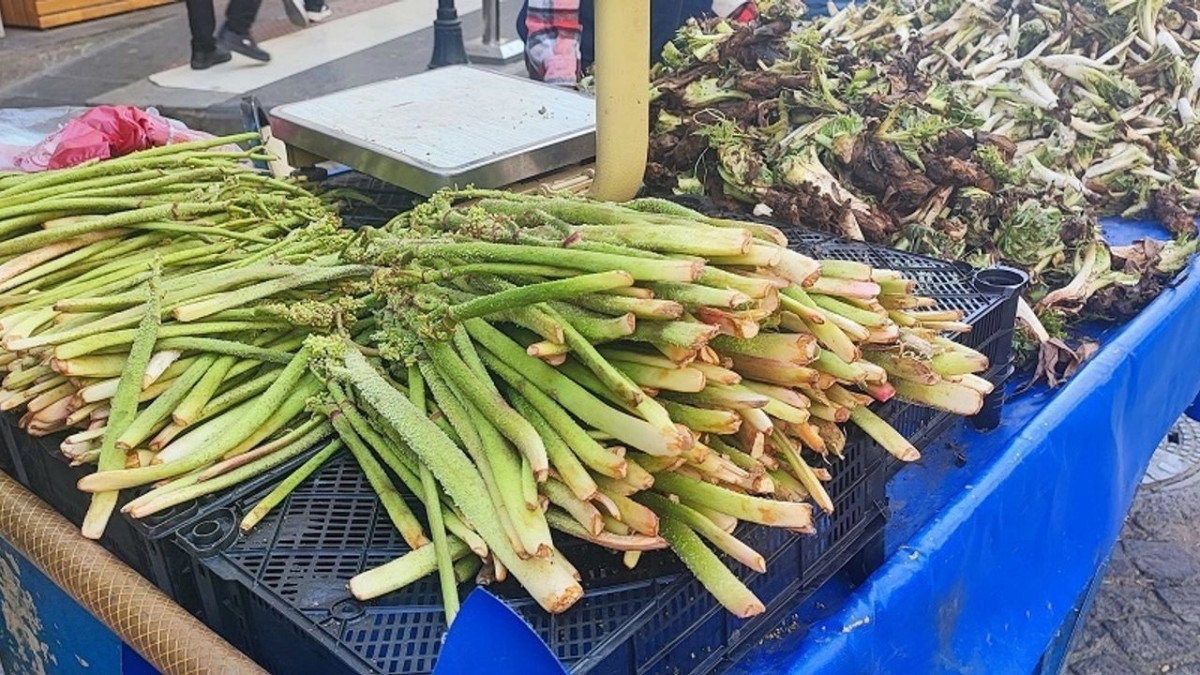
{"type": "Point", "coordinates": [295, 12]}
{"type": "Point", "coordinates": [317, 16]}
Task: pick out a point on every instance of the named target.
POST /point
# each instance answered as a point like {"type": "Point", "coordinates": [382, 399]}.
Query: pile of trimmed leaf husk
{"type": "Point", "coordinates": [991, 132]}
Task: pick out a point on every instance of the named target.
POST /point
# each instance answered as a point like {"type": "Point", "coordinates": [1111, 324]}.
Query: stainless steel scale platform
{"type": "Point", "coordinates": [453, 126]}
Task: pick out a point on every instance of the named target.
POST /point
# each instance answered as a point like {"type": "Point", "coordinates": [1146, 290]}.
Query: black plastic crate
{"type": "Point", "coordinates": [280, 592]}
{"type": "Point", "coordinates": [369, 202]}
{"type": "Point", "coordinates": [8, 451]}
{"type": "Point", "coordinates": [988, 299]}
{"type": "Point", "coordinates": [691, 633]}
{"type": "Point", "coordinates": [146, 545]}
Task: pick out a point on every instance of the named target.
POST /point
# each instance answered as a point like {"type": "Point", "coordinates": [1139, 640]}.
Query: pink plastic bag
{"type": "Point", "coordinates": [101, 133]}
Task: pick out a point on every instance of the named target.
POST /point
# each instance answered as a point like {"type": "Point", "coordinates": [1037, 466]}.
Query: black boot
{"type": "Point", "coordinates": [242, 44]}
{"type": "Point", "coordinates": [203, 60]}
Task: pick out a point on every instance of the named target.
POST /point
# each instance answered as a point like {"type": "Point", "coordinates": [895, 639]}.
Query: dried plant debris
{"type": "Point", "coordinates": [980, 131]}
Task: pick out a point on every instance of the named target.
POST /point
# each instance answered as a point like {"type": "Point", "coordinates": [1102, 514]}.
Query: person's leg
{"type": "Point", "coordinates": [668, 16]}
{"type": "Point", "coordinates": [522, 29]}
{"type": "Point", "coordinates": [587, 42]}
{"type": "Point", "coordinates": [523, 34]}
{"type": "Point", "coordinates": [240, 15]}
{"type": "Point", "coordinates": [202, 20]}
{"type": "Point", "coordinates": [235, 34]}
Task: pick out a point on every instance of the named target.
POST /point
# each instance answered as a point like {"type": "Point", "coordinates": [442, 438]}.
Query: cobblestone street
{"type": "Point", "coordinates": [1146, 617]}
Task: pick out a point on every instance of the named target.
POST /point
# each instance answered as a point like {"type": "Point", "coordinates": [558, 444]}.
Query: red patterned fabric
{"type": "Point", "coordinates": [552, 45]}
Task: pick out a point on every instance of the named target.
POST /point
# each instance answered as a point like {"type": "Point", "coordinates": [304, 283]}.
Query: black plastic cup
{"type": "Point", "coordinates": [1001, 279]}
{"type": "Point", "coordinates": [1008, 283]}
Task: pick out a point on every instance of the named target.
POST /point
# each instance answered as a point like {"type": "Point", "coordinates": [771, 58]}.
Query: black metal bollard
{"type": "Point", "coordinates": [448, 47]}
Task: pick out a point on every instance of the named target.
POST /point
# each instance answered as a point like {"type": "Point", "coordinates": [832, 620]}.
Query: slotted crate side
{"type": "Point", "coordinates": [702, 653]}
{"type": "Point", "coordinates": [692, 633]}
{"type": "Point", "coordinates": [279, 593]}
{"type": "Point", "coordinates": [287, 579]}
{"type": "Point", "coordinates": [8, 453]}
{"type": "Point", "coordinates": [146, 545]}
{"type": "Point", "coordinates": [683, 622]}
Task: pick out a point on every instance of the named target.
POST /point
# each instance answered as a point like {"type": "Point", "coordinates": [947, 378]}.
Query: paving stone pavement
{"type": "Point", "coordinates": [1146, 616]}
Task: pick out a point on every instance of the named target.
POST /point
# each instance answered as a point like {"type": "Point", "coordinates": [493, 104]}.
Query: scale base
{"type": "Point", "coordinates": [505, 51]}
{"type": "Point", "coordinates": [458, 125]}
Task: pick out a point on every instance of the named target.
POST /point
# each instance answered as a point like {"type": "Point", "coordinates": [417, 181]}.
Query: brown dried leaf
{"type": "Point", "coordinates": [1057, 362]}
{"type": "Point", "coordinates": [1165, 208]}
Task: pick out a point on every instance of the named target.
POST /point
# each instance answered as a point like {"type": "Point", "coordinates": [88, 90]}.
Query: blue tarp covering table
{"type": "Point", "coordinates": [995, 538]}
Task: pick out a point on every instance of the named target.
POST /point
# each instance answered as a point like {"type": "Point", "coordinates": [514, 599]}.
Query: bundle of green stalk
{"type": "Point", "coordinates": [143, 378]}
{"type": "Point", "coordinates": [985, 132]}
{"type": "Point", "coordinates": [636, 376]}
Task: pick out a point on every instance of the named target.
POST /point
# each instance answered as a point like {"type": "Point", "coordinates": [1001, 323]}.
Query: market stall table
{"type": "Point", "coordinates": [995, 538]}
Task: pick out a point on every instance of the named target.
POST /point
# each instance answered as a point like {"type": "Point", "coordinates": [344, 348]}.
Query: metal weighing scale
{"type": "Point", "coordinates": [446, 127]}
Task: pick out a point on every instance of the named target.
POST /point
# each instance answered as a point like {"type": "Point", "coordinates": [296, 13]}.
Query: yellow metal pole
{"type": "Point", "coordinates": [622, 97]}
{"type": "Point", "coordinates": [172, 640]}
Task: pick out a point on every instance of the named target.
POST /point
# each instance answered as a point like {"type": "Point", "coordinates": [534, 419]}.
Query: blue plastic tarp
{"type": "Point", "coordinates": [995, 537]}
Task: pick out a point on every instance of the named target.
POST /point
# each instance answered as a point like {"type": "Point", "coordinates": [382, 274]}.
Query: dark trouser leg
{"type": "Point", "coordinates": [241, 14]}
{"type": "Point", "coordinates": [202, 20]}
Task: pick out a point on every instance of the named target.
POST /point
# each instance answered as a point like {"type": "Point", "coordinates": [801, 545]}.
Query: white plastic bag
{"type": "Point", "coordinates": [35, 139]}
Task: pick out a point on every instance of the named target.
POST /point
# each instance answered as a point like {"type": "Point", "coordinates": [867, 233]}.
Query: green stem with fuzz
{"type": "Point", "coordinates": [550, 584]}
{"type": "Point", "coordinates": [123, 411]}
{"type": "Point", "coordinates": [398, 512]}
{"type": "Point", "coordinates": [708, 568]}
{"type": "Point", "coordinates": [441, 544]}
{"type": "Point", "coordinates": [287, 486]}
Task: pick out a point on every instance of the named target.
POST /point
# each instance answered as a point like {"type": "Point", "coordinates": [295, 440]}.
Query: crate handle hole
{"type": "Point", "coordinates": [346, 609]}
